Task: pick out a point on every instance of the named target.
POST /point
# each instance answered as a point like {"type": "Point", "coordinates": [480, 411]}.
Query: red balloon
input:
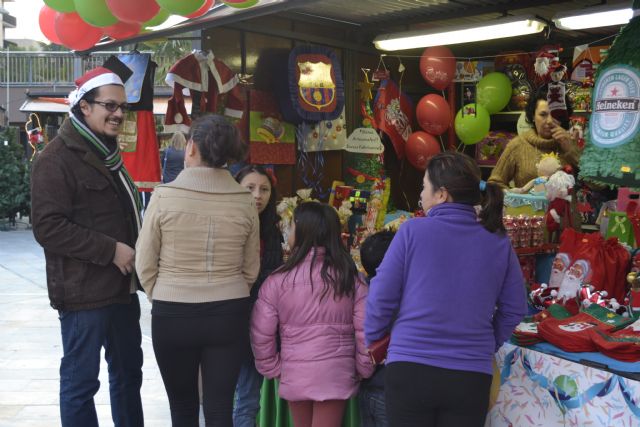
{"type": "Point", "coordinates": [437, 66]}
{"type": "Point", "coordinates": [420, 148]}
{"type": "Point", "coordinates": [122, 30]}
{"type": "Point", "coordinates": [47, 20]}
{"type": "Point", "coordinates": [204, 9]}
{"type": "Point", "coordinates": [74, 33]}
{"type": "Point", "coordinates": [433, 114]}
{"type": "Point", "coordinates": [133, 10]}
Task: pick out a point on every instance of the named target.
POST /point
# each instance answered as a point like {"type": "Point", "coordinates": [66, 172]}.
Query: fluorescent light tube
{"type": "Point", "coordinates": [593, 17]}
{"type": "Point", "coordinates": [499, 28]}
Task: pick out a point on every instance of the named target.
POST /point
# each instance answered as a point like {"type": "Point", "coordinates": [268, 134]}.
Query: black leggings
{"type": "Point", "coordinates": [218, 344]}
{"type": "Point", "coordinates": [425, 396]}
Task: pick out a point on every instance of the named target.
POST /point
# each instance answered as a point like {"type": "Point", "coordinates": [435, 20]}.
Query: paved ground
{"type": "Point", "coordinates": [30, 345]}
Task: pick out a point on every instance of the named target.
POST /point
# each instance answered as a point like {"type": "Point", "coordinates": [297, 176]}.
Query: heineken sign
{"type": "Point", "coordinates": [616, 107]}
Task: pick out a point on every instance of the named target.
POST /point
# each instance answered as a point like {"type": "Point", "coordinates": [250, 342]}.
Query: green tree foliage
{"type": "Point", "coordinates": [14, 177]}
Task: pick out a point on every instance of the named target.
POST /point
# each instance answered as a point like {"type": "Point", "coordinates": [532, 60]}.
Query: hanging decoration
{"type": "Point", "coordinates": [393, 114]}
{"type": "Point", "coordinates": [133, 11]}
{"type": "Point", "coordinates": [316, 89]}
{"type": "Point", "coordinates": [74, 33]}
{"type": "Point", "coordinates": [47, 20]}
{"type": "Point", "coordinates": [122, 30]}
{"type": "Point", "coordinates": [181, 7]}
{"type": "Point", "coordinates": [438, 66]}
{"type": "Point", "coordinates": [240, 4]}
{"type": "Point", "coordinates": [327, 135]}
{"type": "Point", "coordinates": [494, 92]}
{"type": "Point", "coordinates": [95, 12]}
{"type": "Point", "coordinates": [421, 146]}
{"type": "Point", "coordinates": [138, 141]}
{"type": "Point", "coordinates": [201, 72]}
{"type": "Point", "coordinates": [160, 17]}
{"type": "Point", "coordinates": [472, 123]}
{"type": "Point", "coordinates": [612, 145]}
{"type": "Point", "coordinates": [35, 133]}
{"type": "Point", "coordinates": [433, 114]}
{"type": "Point", "coordinates": [208, 4]}
{"type": "Point", "coordinates": [64, 6]}
{"type": "Point", "coordinates": [272, 140]}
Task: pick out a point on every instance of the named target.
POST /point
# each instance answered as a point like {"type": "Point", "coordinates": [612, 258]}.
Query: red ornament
{"type": "Point", "coordinates": [433, 114]}
{"type": "Point", "coordinates": [122, 30]}
{"type": "Point", "coordinates": [437, 66]}
{"type": "Point", "coordinates": [47, 20]}
{"type": "Point", "coordinates": [74, 33]}
{"type": "Point", "coordinates": [420, 148]}
{"type": "Point", "coordinates": [133, 10]}
{"type": "Point", "coordinates": [204, 9]}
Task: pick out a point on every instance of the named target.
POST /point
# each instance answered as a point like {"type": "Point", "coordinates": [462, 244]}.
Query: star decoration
{"type": "Point", "coordinates": [365, 89]}
{"type": "Point", "coordinates": [614, 91]}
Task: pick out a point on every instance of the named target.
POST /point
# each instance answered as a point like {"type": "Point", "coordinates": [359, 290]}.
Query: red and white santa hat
{"type": "Point", "coordinates": [99, 76]}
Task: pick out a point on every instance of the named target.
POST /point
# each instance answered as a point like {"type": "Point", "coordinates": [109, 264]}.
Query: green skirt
{"type": "Point", "coordinates": [274, 412]}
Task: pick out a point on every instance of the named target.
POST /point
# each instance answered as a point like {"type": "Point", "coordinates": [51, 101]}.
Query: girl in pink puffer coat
{"type": "Point", "coordinates": [315, 303]}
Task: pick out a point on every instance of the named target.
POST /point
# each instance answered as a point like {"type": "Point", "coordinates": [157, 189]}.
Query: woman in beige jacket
{"type": "Point", "coordinates": [197, 255]}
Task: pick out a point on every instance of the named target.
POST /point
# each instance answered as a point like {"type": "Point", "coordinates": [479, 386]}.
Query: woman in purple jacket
{"type": "Point", "coordinates": [315, 302]}
{"type": "Point", "coordinates": [450, 291]}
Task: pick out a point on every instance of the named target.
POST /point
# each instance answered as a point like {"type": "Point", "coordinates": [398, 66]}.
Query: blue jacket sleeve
{"type": "Point", "coordinates": [385, 290]}
{"type": "Point", "coordinates": [511, 306]}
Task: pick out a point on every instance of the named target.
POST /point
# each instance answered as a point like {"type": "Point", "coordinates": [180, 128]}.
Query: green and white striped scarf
{"type": "Point", "coordinates": [113, 162]}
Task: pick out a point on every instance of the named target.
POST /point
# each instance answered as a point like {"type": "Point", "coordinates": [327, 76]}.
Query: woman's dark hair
{"type": "Point", "coordinates": [90, 96]}
{"type": "Point", "coordinates": [218, 140]}
{"type": "Point", "coordinates": [460, 176]}
{"type": "Point", "coordinates": [268, 217]}
{"type": "Point", "coordinates": [318, 226]}
{"type": "Point", "coordinates": [541, 95]}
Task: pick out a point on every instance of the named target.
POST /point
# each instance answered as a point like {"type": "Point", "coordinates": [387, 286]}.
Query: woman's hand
{"type": "Point", "coordinates": [562, 137]}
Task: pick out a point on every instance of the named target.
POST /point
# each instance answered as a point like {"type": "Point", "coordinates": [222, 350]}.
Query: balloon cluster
{"type": "Point", "coordinates": [80, 24]}
{"type": "Point", "coordinates": [473, 121]}
{"type": "Point", "coordinates": [437, 68]}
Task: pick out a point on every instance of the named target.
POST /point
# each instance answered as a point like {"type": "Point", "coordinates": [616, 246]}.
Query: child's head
{"type": "Point", "coordinates": [316, 225]}
{"type": "Point", "coordinates": [373, 249]}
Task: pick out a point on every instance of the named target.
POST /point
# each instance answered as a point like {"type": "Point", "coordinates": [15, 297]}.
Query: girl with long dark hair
{"type": "Point", "coordinates": [315, 302]}
{"type": "Point", "coordinates": [261, 183]}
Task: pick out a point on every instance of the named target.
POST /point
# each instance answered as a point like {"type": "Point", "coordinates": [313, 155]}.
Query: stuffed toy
{"type": "Point", "coordinates": [557, 91]}
{"type": "Point", "coordinates": [547, 166]}
{"type": "Point", "coordinates": [558, 189]}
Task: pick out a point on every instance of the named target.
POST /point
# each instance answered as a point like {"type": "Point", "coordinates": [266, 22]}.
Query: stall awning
{"type": "Point", "coordinates": [59, 105]}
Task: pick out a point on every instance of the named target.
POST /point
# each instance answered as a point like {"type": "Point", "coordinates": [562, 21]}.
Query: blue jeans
{"type": "Point", "coordinates": [372, 407]}
{"type": "Point", "coordinates": [247, 401]}
{"type": "Point", "coordinates": [84, 333]}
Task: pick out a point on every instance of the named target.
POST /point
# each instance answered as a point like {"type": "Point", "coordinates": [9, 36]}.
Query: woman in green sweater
{"type": "Point", "coordinates": [518, 161]}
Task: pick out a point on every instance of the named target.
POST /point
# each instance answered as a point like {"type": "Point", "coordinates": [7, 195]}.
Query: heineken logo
{"type": "Point", "coordinates": [616, 107]}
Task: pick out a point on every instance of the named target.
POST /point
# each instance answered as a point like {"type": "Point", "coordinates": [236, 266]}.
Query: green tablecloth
{"type": "Point", "coordinates": [274, 412]}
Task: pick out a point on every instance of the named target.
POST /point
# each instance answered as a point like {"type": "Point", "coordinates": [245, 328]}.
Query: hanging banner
{"type": "Point", "coordinates": [616, 102]}
{"type": "Point", "coordinates": [364, 140]}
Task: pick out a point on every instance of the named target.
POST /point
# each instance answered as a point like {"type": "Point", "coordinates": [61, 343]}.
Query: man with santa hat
{"type": "Point", "coordinates": [86, 216]}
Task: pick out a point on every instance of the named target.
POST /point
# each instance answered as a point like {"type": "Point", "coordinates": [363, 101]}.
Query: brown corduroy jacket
{"type": "Point", "coordinates": [78, 217]}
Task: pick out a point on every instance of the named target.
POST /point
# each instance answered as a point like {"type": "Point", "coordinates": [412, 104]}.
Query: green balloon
{"type": "Point", "coordinates": [95, 12]}
{"type": "Point", "coordinates": [181, 7]}
{"type": "Point", "coordinates": [473, 125]}
{"type": "Point", "coordinates": [160, 17]}
{"type": "Point", "coordinates": [494, 92]}
{"type": "Point", "coordinates": [65, 6]}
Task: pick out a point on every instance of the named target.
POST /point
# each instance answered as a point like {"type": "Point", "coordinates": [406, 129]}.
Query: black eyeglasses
{"type": "Point", "coordinates": [112, 107]}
